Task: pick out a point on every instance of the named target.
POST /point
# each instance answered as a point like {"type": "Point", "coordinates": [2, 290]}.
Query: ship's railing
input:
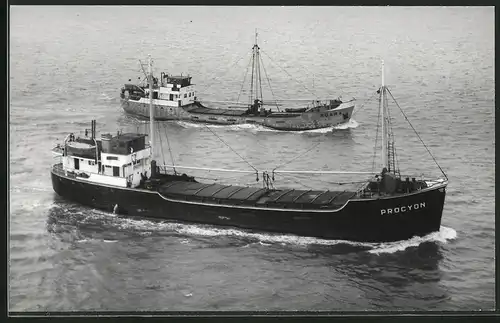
{"type": "Point", "coordinates": [72, 173]}
{"type": "Point", "coordinates": [58, 168]}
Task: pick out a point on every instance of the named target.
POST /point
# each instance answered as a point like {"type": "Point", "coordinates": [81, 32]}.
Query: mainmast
{"type": "Point", "coordinates": [255, 73]}
{"type": "Point", "coordinates": [384, 125]}
{"type": "Point", "coordinates": [151, 110]}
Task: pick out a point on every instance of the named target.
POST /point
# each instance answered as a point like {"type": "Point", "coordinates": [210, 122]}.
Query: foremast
{"type": "Point", "coordinates": [256, 79]}
{"type": "Point", "coordinates": [388, 153]}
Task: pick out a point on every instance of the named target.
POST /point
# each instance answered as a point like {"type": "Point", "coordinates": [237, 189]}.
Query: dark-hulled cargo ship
{"type": "Point", "coordinates": [118, 173]}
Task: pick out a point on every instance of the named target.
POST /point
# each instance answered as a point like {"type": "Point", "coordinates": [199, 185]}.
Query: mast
{"type": "Point", "coordinates": [253, 69]}
{"type": "Point", "coordinates": [259, 81]}
{"type": "Point", "coordinates": [151, 110]}
{"type": "Point", "coordinates": [384, 125]}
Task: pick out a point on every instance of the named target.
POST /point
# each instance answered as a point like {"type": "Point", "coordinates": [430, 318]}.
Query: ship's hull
{"type": "Point", "coordinates": [366, 220]}
{"type": "Point", "coordinates": [279, 121]}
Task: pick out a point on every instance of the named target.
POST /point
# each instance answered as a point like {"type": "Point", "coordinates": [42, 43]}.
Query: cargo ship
{"type": "Point", "coordinates": [118, 173]}
{"type": "Point", "coordinates": [175, 98]}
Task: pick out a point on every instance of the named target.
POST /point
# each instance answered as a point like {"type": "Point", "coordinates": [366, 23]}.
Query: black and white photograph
{"type": "Point", "coordinates": [264, 159]}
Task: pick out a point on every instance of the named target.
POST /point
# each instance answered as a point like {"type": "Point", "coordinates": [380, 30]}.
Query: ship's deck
{"type": "Point", "coordinates": [255, 196]}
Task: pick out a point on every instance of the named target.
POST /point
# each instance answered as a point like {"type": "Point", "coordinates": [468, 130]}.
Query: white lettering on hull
{"type": "Point", "coordinates": [403, 209]}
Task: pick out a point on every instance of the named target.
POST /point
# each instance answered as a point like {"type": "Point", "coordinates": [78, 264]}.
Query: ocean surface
{"type": "Point", "coordinates": [67, 65]}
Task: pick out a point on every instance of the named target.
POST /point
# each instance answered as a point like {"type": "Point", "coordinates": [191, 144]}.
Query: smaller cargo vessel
{"type": "Point", "coordinates": [175, 98]}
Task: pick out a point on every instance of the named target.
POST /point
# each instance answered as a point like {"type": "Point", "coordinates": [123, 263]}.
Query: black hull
{"type": "Point", "coordinates": [358, 220]}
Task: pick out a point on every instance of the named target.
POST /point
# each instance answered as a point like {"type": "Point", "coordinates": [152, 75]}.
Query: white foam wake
{"type": "Point", "coordinates": [351, 124]}
{"type": "Point", "coordinates": [444, 235]}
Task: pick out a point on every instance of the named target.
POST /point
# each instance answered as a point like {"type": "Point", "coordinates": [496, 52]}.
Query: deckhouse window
{"type": "Point", "coordinates": [111, 158]}
{"type": "Point", "coordinates": [185, 95]}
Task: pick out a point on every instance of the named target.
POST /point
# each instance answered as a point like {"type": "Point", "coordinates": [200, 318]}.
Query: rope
{"type": "Point", "coordinates": [269, 82]}
{"type": "Point", "coordinates": [161, 144]}
{"type": "Point", "coordinates": [244, 79]}
{"type": "Point", "coordinates": [251, 81]}
{"type": "Point", "coordinates": [169, 149]}
{"type": "Point", "coordinates": [296, 157]}
{"type": "Point", "coordinates": [259, 59]}
{"type": "Point", "coordinates": [142, 68]}
{"type": "Point", "coordinates": [223, 178]}
{"type": "Point", "coordinates": [232, 149]}
{"type": "Point", "coordinates": [393, 146]}
{"type": "Point", "coordinates": [418, 135]}
{"type": "Point", "coordinates": [376, 135]}
{"type": "Point", "coordinates": [213, 80]}
{"type": "Point", "coordinates": [336, 183]}
{"type": "Point", "coordinates": [210, 169]}
{"type": "Point", "coordinates": [362, 104]}
{"type": "Point", "coordinates": [289, 74]}
{"type": "Point", "coordinates": [342, 172]}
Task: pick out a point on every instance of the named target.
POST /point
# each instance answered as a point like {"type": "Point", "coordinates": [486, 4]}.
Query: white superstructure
{"type": "Point", "coordinates": [122, 160]}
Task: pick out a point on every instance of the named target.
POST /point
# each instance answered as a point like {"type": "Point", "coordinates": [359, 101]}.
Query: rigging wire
{"type": "Point", "coordinates": [260, 75]}
{"type": "Point", "coordinates": [142, 67]}
{"type": "Point", "coordinates": [269, 82]}
{"type": "Point", "coordinates": [297, 180]}
{"type": "Point", "coordinates": [393, 141]}
{"type": "Point", "coordinates": [244, 79]}
{"type": "Point", "coordinates": [378, 126]}
{"type": "Point", "coordinates": [289, 74]}
{"type": "Point", "coordinates": [232, 149]}
{"type": "Point", "coordinates": [332, 183]}
{"type": "Point", "coordinates": [442, 171]}
{"type": "Point", "coordinates": [371, 97]}
{"type": "Point", "coordinates": [387, 123]}
{"type": "Point", "coordinates": [305, 152]}
{"type": "Point", "coordinates": [161, 144]}
{"type": "Point", "coordinates": [169, 148]}
{"type": "Point", "coordinates": [251, 81]}
{"type": "Point", "coordinates": [224, 178]}
{"type": "Point", "coordinates": [217, 78]}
